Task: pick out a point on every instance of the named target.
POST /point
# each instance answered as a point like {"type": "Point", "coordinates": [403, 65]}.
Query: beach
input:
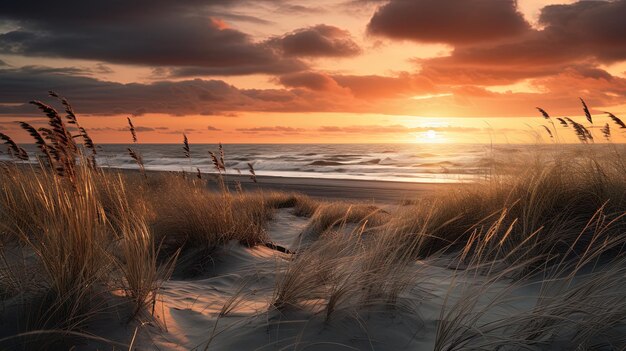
{"type": "Point", "coordinates": [363, 175]}
{"type": "Point", "coordinates": [378, 192]}
{"type": "Point", "coordinates": [184, 261]}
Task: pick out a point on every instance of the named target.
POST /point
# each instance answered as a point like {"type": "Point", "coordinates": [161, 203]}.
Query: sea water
{"type": "Point", "coordinates": [433, 163]}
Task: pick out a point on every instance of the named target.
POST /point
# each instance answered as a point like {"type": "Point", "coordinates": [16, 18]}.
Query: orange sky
{"type": "Point", "coordinates": [279, 71]}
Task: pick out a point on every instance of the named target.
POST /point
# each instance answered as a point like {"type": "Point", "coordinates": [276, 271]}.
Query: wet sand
{"type": "Point", "coordinates": [382, 192]}
{"type": "Point", "coordinates": [342, 189]}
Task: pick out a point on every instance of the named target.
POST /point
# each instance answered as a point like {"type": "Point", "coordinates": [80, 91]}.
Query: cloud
{"type": "Point", "coordinates": [300, 9]}
{"type": "Point", "coordinates": [275, 129]}
{"type": "Point", "coordinates": [141, 129]}
{"type": "Point", "coordinates": [310, 80]}
{"type": "Point", "coordinates": [390, 129]}
{"type": "Point", "coordinates": [448, 21]}
{"type": "Point", "coordinates": [185, 97]}
{"type": "Point", "coordinates": [180, 131]}
{"type": "Point", "coordinates": [381, 87]}
{"type": "Point", "coordinates": [123, 129]}
{"type": "Point", "coordinates": [101, 68]}
{"type": "Point", "coordinates": [375, 87]}
{"type": "Point", "coordinates": [9, 125]}
{"type": "Point", "coordinates": [317, 41]}
{"type": "Point", "coordinates": [93, 96]}
{"type": "Point", "coordinates": [242, 18]}
{"type": "Point", "coordinates": [456, 70]}
{"type": "Point", "coordinates": [213, 129]}
{"type": "Point", "coordinates": [348, 94]}
{"type": "Point", "coordinates": [156, 33]}
{"type": "Point", "coordinates": [585, 33]}
{"type": "Point", "coordinates": [285, 65]}
{"type": "Point", "coordinates": [355, 129]}
{"type": "Point", "coordinates": [594, 28]}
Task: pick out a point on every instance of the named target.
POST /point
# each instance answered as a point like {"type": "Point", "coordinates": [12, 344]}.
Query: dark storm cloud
{"type": "Point", "coordinates": [448, 21]}
{"type": "Point", "coordinates": [582, 34]}
{"type": "Point", "coordinates": [197, 96]}
{"type": "Point", "coordinates": [99, 97]}
{"type": "Point", "coordinates": [99, 11]}
{"type": "Point", "coordinates": [595, 28]}
{"type": "Point", "coordinates": [157, 33]}
{"type": "Point", "coordinates": [317, 41]}
{"type": "Point", "coordinates": [283, 66]}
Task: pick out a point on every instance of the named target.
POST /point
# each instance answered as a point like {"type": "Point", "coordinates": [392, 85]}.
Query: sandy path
{"type": "Point", "coordinates": [243, 278]}
{"type": "Point", "coordinates": [228, 306]}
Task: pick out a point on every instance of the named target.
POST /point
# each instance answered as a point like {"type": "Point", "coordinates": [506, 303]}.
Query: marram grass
{"type": "Point", "coordinates": [94, 240]}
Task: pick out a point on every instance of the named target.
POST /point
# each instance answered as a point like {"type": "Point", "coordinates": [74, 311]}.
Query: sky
{"type": "Point", "coordinates": [325, 71]}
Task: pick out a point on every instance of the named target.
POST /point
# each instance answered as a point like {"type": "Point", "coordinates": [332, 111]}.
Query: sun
{"type": "Point", "coordinates": [428, 136]}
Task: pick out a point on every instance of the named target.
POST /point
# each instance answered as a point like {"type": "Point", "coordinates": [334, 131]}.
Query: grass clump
{"type": "Point", "coordinates": [210, 219]}
{"type": "Point", "coordinates": [82, 247]}
{"type": "Point", "coordinates": [335, 215]}
{"type": "Point", "coordinates": [547, 208]}
{"type": "Point", "coordinates": [93, 234]}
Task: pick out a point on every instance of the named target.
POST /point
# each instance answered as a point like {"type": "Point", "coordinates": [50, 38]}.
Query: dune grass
{"type": "Point", "coordinates": [556, 228]}
{"type": "Point", "coordinates": [552, 236]}
{"type": "Point", "coordinates": [94, 233]}
{"type": "Point", "coordinates": [105, 232]}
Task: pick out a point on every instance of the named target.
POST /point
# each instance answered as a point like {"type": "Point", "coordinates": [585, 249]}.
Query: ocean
{"type": "Point", "coordinates": [430, 163]}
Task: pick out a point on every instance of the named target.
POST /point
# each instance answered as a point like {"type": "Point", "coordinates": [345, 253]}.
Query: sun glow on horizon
{"type": "Point", "coordinates": [431, 96]}
{"type": "Point", "coordinates": [430, 136]}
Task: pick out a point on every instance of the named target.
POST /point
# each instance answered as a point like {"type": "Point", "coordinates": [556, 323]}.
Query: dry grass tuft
{"type": "Point", "coordinates": [338, 214]}
{"type": "Point", "coordinates": [211, 219]}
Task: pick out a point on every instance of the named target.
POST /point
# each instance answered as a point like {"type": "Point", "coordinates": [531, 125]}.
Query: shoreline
{"type": "Point", "coordinates": [376, 191]}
